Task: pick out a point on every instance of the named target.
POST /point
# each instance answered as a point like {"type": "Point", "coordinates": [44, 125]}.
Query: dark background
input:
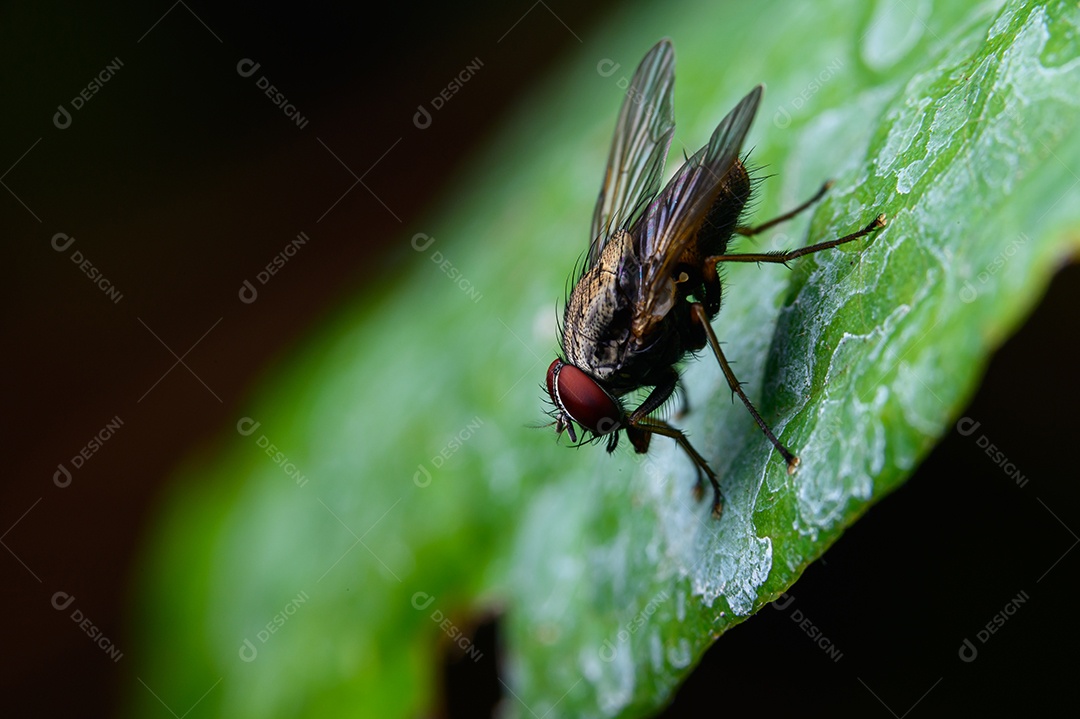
{"type": "Point", "coordinates": [179, 180]}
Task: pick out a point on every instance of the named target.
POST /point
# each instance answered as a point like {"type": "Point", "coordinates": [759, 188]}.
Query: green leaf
{"type": "Point", "coordinates": [410, 494]}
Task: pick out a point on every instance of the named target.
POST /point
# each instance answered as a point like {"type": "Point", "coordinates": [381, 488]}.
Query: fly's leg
{"type": "Point", "coordinates": [641, 427]}
{"type": "Point", "coordinates": [784, 257]}
{"type": "Point", "coordinates": [711, 277]}
{"type": "Point", "coordinates": [639, 438]}
{"type": "Point", "coordinates": [749, 231]}
{"type": "Point", "coordinates": [660, 394]}
{"type": "Point", "coordinates": [657, 426]}
{"type": "Point", "coordinates": [736, 386]}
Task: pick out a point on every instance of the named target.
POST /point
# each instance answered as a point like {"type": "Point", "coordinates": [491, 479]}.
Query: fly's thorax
{"type": "Point", "coordinates": [597, 323]}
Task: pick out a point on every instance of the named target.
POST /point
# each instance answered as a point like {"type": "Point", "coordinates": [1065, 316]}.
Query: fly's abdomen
{"type": "Point", "coordinates": [723, 217]}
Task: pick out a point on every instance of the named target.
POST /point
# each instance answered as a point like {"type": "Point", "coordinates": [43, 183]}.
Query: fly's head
{"type": "Point", "coordinates": [578, 398]}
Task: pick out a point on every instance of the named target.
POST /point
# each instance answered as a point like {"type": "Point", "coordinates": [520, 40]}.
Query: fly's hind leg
{"type": "Point", "coordinates": [750, 231]}
{"type": "Point", "coordinates": [783, 258]}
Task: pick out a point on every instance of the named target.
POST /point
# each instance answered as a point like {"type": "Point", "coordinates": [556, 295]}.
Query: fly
{"type": "Point", "coordinates": [649, 288]}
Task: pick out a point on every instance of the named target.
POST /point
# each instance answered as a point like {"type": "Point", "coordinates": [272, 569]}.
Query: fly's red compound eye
{"type": "Point", "coordinates": [578, 395]}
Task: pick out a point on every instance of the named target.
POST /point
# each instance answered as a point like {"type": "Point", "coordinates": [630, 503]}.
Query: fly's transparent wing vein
{"type": "Point", "coordinates": [642, 136]}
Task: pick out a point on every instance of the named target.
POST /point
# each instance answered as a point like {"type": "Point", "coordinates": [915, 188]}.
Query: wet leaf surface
{"type": "Point", "coordinates": [410, 494]}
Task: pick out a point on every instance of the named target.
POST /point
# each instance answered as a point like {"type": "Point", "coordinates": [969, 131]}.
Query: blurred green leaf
{"type": "Point", "coordinates": [289, 584]}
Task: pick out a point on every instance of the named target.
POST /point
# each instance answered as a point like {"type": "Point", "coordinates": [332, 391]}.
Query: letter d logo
{"type": "Point", "coordinates": [247, 425]}
{"type": "Point", "coordinates": [62, 118]}
{"type": "Point", "coordinates": [422, 118]}
{"type": "Point", "coordinates": [783, 601]}
{"type": "Point", "coordinates": [421, 477]}
{"type": "Point", "coordinates": [246, 67]}
{"type": "Point", "coordinates": [62, 600]}
{"type": "Point", "coordinates": [422, 600]}
{"type": "Point", "coordinates": [967, 426]}
{"type": "Point", "coordinates": [248, 652]}
{"type": "Point", "coordinates": [61, 477]}
{"type": "Point", "coordinates": [248, 293]}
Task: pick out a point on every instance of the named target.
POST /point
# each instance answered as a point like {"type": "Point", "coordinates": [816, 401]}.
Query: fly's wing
{"type": "Point", "coordinates": [642, 137]}
{"type": "Point", "coordinates": [671, 223]}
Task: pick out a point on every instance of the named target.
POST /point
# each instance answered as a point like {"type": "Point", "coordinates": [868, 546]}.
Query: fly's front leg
{"type": "Point", "coordinates": [660, 394]}
{"type": "Point", "coordinates": [642, 427]}
{"type": "Point", "coordinates": [638, 436]}
{"type": "Point", "coordinates": [657, 426]}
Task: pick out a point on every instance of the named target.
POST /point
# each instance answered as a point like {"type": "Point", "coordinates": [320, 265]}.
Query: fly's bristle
{"type": "Point", "coordinates": [753, 170]}
{"type": "Point", "coordinates": [560, 321]}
